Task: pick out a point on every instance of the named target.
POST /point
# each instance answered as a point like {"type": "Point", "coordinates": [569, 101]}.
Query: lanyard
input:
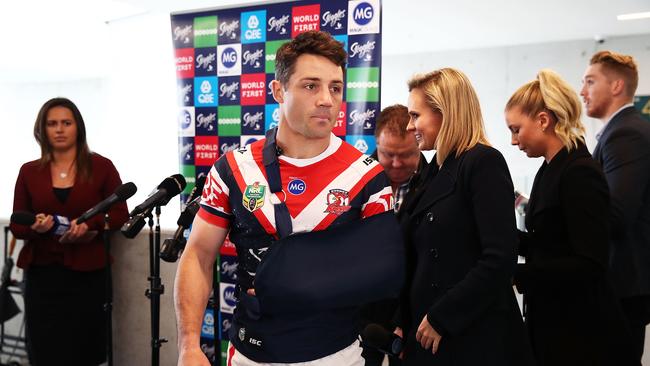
{"type": "Point", "coordinates": [270, 154]}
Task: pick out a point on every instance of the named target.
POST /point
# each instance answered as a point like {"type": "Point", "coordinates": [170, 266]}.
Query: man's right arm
{"type": "Point", "coordinates": [192, 288]}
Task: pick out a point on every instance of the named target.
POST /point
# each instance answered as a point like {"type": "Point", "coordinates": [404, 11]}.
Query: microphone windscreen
{"type": "Point", "coordinates": [173, 185]}
{"type": "Point", "coordinates": [200, 183]}
{"type": "Point", "coordinates": [125, 191]}
{"type": "Point", "coordinates": [23, 218]}
{"type": "Point", "coordinates": [376, 336]}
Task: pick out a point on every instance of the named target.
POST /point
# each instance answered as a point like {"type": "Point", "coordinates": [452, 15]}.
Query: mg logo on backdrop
{"type": "Point", "coordinates": [363, 16]}
{"type": "Point", "coordinates": [229, 60]}
{"type": "Point", "coordinates": [186, 121]}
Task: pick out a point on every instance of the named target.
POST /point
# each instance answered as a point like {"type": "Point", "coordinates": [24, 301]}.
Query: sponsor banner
{"type": "Point", "coordinates": [229, 59]}
{"type": "Point", "coordinates": [206, 150]}
{"type": "Point", "coordinates": [205, 31]}
{"type": "Point", "coordinates": [186, 122]}
{"type": "Point", "coordinates": [228, 144]}
{"type": "Point", "coordinates": [227, 299]}
{"type": "Point", "coordinates": [334, 17]}
{"type": "Point", "coordinates": [229, 120]}
{"type": "Point", "coordinates": [229, 27]}
{"type": "Point", "coordinates": [252, 120]}
{"type": "Point", "coordinates": [207, 327]}
{"type": "Point", "coordinates": [364, 143]}
{"type": "Point", "coordinates": [228, 269]}
{"type": "Point", "coordinates": [205, 91]}
{"type": "Point", "coordinates": [186, 147]}
{"type": "Point", "coordinates": [305, 18]}
{"type": "Point", "coordinates": [182, 33]}
{"type": "Point", "coordinates": [185, 92]}
{"type": "Point", "coordinates": [229, 90]}
{"type": "Point", "coordinates": [364, 51]}
{"type": "Point", "coordinates": [271, 49]}
{"type": "Point", "coordinates": [226, 323]}
{"type": "Point", "coordinates": [252, 58]}
{"type": "Point", "coordinates": [253, 89]}
{"type": "Point", "coordinates": [362, 84]}
{"type": "Point", "coordinates": [205, 61]}
{"type": "Point", "coordinates": [206, 121]}
{"type": "Point", "coordinates": [209, 348]}
{"type": "Point", "coordinates": [184, 63]}
{"type": "Point", "coordinates": [363, 16]}
{"type": "Point", "coordinates": [189, 173]}
{"type": "Point", "coordinates": [253, 26]}
{"type": "Point", "coordinates": [362, 118]}
{"type": "Point", "coordinates": [278, 22]}
{"type": "Point", "coordinates": [340, 127]}
{"type": "Point", "coordinates": [228, 248]}
{"type": "Point", "coordinates": [642, 103]}
{"type": "Point", "coordinates": [271, 116]}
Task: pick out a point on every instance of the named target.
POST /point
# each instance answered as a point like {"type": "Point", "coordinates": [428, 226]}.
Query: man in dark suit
{"type": "Point", "coordinates": [623, 150]}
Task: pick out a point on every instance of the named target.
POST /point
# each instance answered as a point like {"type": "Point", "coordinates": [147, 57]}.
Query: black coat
{"type": "Point", "coordinates": [572, 313]}
{"type": "Point", "coordinates": [461, 238]}
{"type": "Point", "coordinates": [623, 151]}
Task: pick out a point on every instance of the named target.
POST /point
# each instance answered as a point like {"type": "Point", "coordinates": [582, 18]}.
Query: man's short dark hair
{"type": "Point", "coordinates": [314, 43]}
{"type": "Point", "coordinates": [393, 119]}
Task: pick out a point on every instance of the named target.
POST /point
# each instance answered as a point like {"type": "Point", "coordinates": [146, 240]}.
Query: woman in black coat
{"type": "Point", "coordinates": [572, 314]}
{"type": "Point", "coordinates": [459, 307]}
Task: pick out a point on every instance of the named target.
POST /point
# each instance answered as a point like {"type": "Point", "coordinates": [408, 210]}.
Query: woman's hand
{"type": "Point", "coordinates": [43, 223]}
{"type": "Point", "coordinates": [427, 336]}
{"type": "Point", "coordinates": [75, 232]}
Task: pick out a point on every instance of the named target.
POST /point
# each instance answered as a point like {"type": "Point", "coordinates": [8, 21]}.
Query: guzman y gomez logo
{"type": "Point", "coordinates": [333, 19]}
{"type": "Point", "coordinates": [182, 34]}
{"type": "Point", "coordinates": [228, 90]}
{"type": "Point", "coordinates": [204, 61]}
{"type": "Point", "coordinates": [252, 58]}
{"type": "Point", "coordinates": [363, 51]}
{"type": "Point", "coordinates": [229, 29]}
{"type": "Point", "coordinates": [278, 24]}
{"type": "Point", "coordinates": [359, 118]}
{"type": "Point", "coordinates": [252, 120]}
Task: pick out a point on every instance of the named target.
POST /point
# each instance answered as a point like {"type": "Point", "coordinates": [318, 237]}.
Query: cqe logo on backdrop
{"type": "Point", "coordinates": [253, 26]}
{"type": "Point", "coordinates": [206, 91]}
{"type": "Point", "coordinates": [229, 60]}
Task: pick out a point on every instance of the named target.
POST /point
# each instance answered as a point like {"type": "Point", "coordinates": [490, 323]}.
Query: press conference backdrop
{"type": "Point", "coordinates": [225, 61]}
{"type": "Point", "coordinates": [642, 103]}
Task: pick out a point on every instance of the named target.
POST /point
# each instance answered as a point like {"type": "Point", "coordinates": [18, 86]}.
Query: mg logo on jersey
{"type": "Point", "coordinates": [297, 186]}
{"type": "Point", "coordinates": [253, 197]}
{"type": "Point", "coordinates": [363, 13]}
{"type": "Point", "coordinates": [338, 201]}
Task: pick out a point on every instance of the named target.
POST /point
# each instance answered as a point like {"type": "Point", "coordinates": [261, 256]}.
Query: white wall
{"type": "Point", "coordinates": [497, 72]}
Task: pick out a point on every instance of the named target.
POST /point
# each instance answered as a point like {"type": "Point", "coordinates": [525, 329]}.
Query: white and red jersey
{"type": "Point", "coordinates": [339, 185]}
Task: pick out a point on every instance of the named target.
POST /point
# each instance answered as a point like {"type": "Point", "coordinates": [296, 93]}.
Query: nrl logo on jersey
{"type": "Point", "coordinates": [254, 196]}
{"type": "Point", "coordinates": [338, 201]}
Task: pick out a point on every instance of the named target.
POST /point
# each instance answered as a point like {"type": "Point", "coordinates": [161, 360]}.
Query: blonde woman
{"type": "Point", "coordinates": [571, 312]}
{"type": "Point", "coordinates": [459, 227]}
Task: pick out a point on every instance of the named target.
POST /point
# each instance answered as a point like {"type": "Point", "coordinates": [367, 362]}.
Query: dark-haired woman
{"type": "Point", "coordinates": [64, 269]}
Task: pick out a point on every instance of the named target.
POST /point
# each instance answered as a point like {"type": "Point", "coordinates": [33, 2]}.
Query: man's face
{"type": "Point", "coordinates": [596, 92]}
{"type": "Point", "coordinates": [311, 100]}
{"type": "Point", "coordinates": [399, 156]}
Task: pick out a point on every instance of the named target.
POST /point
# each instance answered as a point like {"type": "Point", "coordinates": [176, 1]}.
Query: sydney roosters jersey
{"type": "Point", "coordinates": [337, 186]}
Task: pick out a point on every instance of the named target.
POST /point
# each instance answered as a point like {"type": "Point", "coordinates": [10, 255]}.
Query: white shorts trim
{"type": "Point", "coordinates": [348, 356]}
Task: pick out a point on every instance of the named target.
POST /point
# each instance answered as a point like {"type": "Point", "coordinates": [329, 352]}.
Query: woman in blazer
{"type": "Point", "coordinates": [572, 314]}
{"type": "Point", "coordinates": [459, 307]}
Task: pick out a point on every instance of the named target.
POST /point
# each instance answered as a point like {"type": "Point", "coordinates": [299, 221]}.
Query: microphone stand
{"type": "Point", "coordinates": [108, 305]}
{"type": "Point", "coordinates": [156, 288]}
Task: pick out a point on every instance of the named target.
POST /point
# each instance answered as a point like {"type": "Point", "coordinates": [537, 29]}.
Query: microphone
{"type": "Point", "coordinates": [167, 189]}
{"type": "Point", "coordinates": [132, 227]}
{"type": "Point", "coordinates": [172, 247]}
{"type": "Point", "coordinates": [521, 202]}
{"type": "Point", "coordinates": [61, 223]}
{"type": "Point", "coordinates": [122, 193]}
{"type": "Point", "coordinates": [375, 336]}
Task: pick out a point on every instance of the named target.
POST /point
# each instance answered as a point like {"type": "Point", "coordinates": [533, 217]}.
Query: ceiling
{"type": "Point", "coordinates": [46, 38]}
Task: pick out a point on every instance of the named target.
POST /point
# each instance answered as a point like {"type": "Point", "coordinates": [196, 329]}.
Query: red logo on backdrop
{"type": "Point", "coordinates": [206, 150]}
{"type": "Point", "coordinates": [228, 248]}
{"type": "Point", "coordinates": [305, 18]}
{"type": "Point", "coordinates": [253, 87]}
{"type": "Point", "coordinates": [339, 126]}
{"type": "Point", "coordinates": [185, 63]}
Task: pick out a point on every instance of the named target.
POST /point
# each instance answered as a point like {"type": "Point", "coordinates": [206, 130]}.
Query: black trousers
{"type": "Point", "coordinates": [637, 312]}
{"type": "Point", "coordinates": [65, 320]}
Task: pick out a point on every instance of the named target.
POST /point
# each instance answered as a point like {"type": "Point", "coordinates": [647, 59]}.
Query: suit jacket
{"type": "Point", "coordinates": [34, 193]}
{"type": "Point", "coordinates": [459, 227]}
{"type": "Point", "coordinates": [572, 313]}
{"type": "Point", "coordinates": [623, 151]}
